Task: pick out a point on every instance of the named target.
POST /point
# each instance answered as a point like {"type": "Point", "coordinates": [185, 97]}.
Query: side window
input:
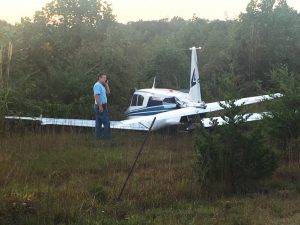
{"type": "Point", "coordinates": [169, 100]}
{"type": "Point", "coordinates": [134, 100]}
{"type": "Point", "coordinates": [140, 100]}
{"type": "Point", "coordinates": [154, 102]}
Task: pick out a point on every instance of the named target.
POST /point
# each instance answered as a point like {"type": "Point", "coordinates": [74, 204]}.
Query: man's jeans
{"type": "Point", "coordinates": [102, 118]}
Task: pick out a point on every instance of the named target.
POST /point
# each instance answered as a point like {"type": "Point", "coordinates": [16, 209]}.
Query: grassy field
{"type": "Point", "coordinates": [50, 176]}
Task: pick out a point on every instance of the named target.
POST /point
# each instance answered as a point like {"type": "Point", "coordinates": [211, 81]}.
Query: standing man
{"type": "Point", "coordinates": [101, 88]}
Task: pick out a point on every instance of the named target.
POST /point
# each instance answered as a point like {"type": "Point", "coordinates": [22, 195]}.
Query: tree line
{"type": "Point", "coordinates": [49, 63]}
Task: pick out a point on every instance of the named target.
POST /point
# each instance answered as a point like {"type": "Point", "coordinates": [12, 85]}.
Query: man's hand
{"type": "Point", "coordinates": [100, 108]}
{"type": "Point", "coordinates": [107, 87]}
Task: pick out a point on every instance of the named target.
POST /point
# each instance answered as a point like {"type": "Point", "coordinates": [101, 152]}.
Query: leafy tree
{"type": "Point", "coordinates": [47, 68]}
{"type": "Point", "coordinates": [7, 33]}
{"type": "Point", "coordinates": [283, 126]}
{"type": "Point", "coordinates": [266, 33]}
{"type": "Point", "coordinates": [70, 13]}
{"type": "Point", "coordinates": [169, 67]}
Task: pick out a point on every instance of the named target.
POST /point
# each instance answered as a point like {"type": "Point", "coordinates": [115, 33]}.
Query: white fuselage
{"type": "Point", "coordinates": [146, 102]}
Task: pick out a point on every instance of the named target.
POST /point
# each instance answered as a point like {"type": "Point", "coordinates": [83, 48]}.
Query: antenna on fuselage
{"type": "Point", "coordinates": [153, 86]}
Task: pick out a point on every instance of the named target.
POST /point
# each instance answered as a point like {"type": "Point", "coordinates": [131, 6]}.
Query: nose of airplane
{"type": "Point", "coordinates": [128, 110]}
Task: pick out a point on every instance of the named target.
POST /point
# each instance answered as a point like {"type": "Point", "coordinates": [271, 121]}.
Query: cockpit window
{"type": "Point", "coordinates": [137, 100]}
{"type": "Point", "coordinates": [140, 100]}
{"type": "Point", "coordinates": [134, 100]}
{"type": "Point", "coordinates": [170, 100]}
{"type": "Point", "coordinates": [154, 102]}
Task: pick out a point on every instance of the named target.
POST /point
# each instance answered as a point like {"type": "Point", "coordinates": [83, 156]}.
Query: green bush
{"type": "Point", "coordinates": [232, 158]}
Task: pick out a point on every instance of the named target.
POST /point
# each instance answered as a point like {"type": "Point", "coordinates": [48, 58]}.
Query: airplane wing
{"type": "Point", "coordinates": [79, 122]}
{"type": "Point", "coordinates": [164, 119]}
{"type": "Point", "coordinates": [215, 106]}
{"type": "Point", "coordinates": [140, 124]}
{"type": "Point", "coordinates": [207, 122]}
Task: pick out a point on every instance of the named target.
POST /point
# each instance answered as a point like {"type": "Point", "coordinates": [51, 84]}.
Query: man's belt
{"type": "Point", "coordinates": [103, 105]}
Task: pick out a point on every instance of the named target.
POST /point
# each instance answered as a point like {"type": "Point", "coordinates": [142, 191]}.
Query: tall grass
{"type": "Point", "coordinates": [56, 176]}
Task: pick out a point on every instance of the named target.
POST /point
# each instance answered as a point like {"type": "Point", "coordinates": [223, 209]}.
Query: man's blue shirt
{"type": "Point", "coordinates": [99, 89]}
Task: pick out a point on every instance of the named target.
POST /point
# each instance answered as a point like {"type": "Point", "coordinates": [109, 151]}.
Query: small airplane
{"type": "Point", "coordinates": [167, 107]}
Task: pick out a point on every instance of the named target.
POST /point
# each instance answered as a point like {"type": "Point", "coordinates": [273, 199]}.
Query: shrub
{"type": "Point", "coordinates": [232, 158]}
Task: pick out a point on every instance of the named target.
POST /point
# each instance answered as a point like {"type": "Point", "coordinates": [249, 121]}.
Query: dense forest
{"type": "Point", "coordinates": [49, 64]}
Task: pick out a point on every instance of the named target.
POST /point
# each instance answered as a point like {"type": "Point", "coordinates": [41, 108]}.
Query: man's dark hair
{"type": "Point", "coordinates": [101, 75]}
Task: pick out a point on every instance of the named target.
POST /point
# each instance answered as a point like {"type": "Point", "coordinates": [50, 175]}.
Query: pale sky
{"type": "Point", "coordinates": [134, 10]}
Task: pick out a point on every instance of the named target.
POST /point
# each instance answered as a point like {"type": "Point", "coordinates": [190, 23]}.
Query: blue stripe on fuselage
{"type": "Point", "coordinates": [152, 110]}
{"type": "Point", "coordinates": [147, 113]}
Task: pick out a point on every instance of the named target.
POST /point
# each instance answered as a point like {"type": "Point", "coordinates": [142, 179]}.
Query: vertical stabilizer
{"type": "Point", "coordinates": [195, 93]}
